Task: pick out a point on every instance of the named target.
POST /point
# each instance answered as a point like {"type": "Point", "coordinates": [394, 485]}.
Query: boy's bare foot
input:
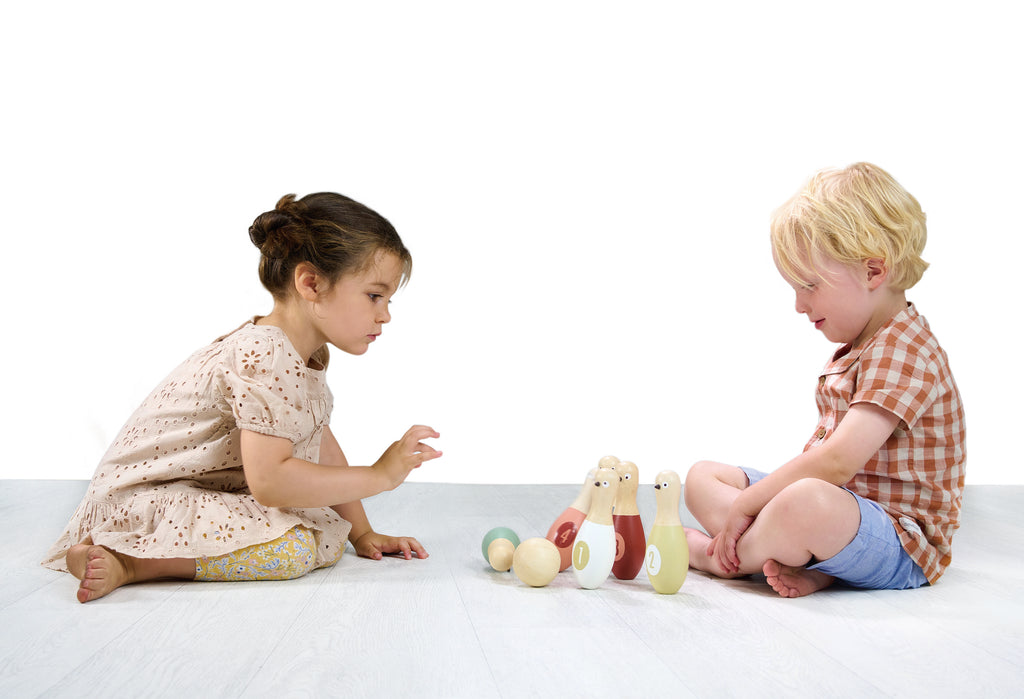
{"type": "Point", "coordinates": [790, 581]}
{"type": "Point", "coordinates": [698, 543]}
{"type": "Point", "coordinates": [100, 570]}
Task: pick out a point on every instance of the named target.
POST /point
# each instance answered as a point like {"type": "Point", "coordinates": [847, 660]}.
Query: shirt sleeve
{"type": "Point", "coordinates": [899, 379]}
{"type": "Point", "coordinates": [262, 385]}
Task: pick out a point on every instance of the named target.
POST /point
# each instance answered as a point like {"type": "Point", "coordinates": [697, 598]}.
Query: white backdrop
{"type": "Point", "coordinates": [585, 188]}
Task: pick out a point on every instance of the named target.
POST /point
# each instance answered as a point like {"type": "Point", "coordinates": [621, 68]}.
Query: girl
{"type": "Point", "coordinates": [229, 470]}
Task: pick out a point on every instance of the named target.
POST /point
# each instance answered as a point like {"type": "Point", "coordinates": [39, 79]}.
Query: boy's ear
{"type": "Point", "coordinates": [877, 272]}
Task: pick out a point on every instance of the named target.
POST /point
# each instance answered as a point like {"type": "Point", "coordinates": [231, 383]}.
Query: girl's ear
{"type": "Point", "coordinates": [307, 282]}
{"type": "Point", "coordinates": [877, 272]}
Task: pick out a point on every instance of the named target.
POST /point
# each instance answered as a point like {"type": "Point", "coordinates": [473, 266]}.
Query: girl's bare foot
{"type": "Point", "coordinates": [698, 543]}
{"type": "Point", "coordinates": [790, 581]}
{"type": "Point", "coordinates": [100, 570]}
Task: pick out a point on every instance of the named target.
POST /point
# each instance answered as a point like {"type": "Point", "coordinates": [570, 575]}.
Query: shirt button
{"type": "Point", "coordinates": [820, 433]}
{"type": "Point", "coordinates": [821, 380]}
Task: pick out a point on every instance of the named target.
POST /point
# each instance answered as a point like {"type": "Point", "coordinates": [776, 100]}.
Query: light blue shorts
{"type": "Point", "coordinates": [875, 559]}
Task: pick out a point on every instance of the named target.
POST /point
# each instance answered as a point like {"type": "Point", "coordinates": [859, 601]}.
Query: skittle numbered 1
{"type": "Point", "coordinates": [593, 554]}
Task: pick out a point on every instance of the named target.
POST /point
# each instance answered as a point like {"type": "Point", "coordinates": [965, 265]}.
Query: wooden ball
{"type": "Point", "coordinates": [497, 533]}
{"type": "Point", "coordinates": [536, 561]}
{"type": "Point", "coordinates": [499, 554]}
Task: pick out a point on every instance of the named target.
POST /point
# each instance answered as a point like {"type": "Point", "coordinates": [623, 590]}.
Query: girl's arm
{"type": "Point", "coordinates": [858, 437]}
{"type": "Point", "coordinates": [364, 539]}
{"type": "Point", "coordinates": [277, 479]}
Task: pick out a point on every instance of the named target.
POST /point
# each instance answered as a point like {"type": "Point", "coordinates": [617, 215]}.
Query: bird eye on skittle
{"type": "Point", "coordinates": [605, 484]}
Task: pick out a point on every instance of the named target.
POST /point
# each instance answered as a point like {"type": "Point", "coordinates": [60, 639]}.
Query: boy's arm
{"type": "Point", "coordinates": [857, 438]}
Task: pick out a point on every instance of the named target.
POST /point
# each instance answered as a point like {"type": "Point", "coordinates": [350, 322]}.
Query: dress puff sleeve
{"type": "Point", "coordinates": [271, 391]}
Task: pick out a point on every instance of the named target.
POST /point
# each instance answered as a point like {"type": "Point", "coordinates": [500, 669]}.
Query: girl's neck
{"type": "Point", "coordinates": [291, 319]}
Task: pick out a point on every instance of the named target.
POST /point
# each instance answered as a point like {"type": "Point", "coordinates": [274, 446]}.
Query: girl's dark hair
{"type": "Point", "coordinates": [331, 232]}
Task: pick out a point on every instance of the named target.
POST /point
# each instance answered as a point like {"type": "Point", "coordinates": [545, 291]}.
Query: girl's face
{"type": "Point", "coordinates": [352, 315]}
{"type": "Point", "coordinates": [839, 300]}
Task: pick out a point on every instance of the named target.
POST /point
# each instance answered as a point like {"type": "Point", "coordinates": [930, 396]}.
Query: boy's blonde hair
{"type": "Point", "coordinates": [851, 215]}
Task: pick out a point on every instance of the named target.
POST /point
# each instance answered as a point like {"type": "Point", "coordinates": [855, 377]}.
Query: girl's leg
{"type": "Point", "coordinates": [291, 555]}
{"type": "Point", "coordinates": [101, 571]}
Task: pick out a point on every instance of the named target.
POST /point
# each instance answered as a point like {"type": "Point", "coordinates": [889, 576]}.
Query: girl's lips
{"type": "Point", "coordinates": [818, 324]}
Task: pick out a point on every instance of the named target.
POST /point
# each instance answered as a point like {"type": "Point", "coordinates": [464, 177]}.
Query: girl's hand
{"type": "Point", "coordinates": [406, 454]}
{"type": "Point", "coordinates": [376, 546]}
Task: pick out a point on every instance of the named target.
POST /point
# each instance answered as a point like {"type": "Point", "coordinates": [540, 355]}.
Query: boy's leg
{"type": "Point", "coordinates": [810, 519]}
{"type": "Point", "coordinates": [710, 490]}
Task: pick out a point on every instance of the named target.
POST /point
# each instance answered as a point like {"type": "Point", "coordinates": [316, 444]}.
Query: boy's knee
{"type": "Point", "coordinates": [807, 500]}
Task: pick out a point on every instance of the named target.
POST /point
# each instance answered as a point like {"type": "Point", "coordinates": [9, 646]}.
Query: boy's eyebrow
{"type": "Point", "coordinates": [381, 285]}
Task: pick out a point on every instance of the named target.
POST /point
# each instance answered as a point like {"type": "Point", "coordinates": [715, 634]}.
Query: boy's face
{"type": "Point", "coordinates": [840, 299]}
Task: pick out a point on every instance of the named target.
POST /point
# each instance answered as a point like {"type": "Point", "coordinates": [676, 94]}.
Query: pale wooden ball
{"type": "Point", "coordinates": [499, 553]}
{"type": "Point", "coordinates": [536, 561]}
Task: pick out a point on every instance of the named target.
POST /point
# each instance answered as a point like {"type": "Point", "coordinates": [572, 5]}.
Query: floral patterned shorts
{"type": "Point", "coordinates": [291, 555]}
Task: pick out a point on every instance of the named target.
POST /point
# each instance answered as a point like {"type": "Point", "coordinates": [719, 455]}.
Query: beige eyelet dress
{"type": "Point", "coordinates": [172, 485]}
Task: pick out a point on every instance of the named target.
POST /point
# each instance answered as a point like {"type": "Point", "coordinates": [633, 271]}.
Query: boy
{"type": "Point", "coordinates": [875, 496]}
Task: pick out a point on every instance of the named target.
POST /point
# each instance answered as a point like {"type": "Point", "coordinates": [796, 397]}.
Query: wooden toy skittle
{"type": "Point", "coordinates": [608, 461]}
{"type": "Point", "coordinates": [536, 561]}
{"type": "Point", "coordinates": [630, 544]}
{"type": "Point", "coordinates": [498, 547]}
{"type": "Point", "coordinates": [563, 532]}
{"type": "Point", "coordinates": [668, 556]}
{"type": "Point", "coordinates": [594, 551]}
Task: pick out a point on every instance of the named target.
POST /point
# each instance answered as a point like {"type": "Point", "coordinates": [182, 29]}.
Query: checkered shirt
{"type": "Point", "coordinates": [918, 474]}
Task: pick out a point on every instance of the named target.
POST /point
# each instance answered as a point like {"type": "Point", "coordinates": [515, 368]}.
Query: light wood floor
{"type": "Point", "coordinates": [448, 626]}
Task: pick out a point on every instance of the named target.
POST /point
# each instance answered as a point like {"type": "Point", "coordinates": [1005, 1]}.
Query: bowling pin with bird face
{"type": "Point", "coordinates": [668, 556]}
{"type": "Point", "coordinates": [593, 554]}
{"type": "Point", "coordinates": [563, 532]}
{"type": "Point", "coordinates": [630, 545]}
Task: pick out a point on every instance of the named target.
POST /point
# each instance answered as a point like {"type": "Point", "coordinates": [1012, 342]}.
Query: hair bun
{"type": "Point", "coordinates": [277, 233]}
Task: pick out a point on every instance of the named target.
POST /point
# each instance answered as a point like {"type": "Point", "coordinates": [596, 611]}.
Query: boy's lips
{"type": "Point", "coordinates": [818, 323]}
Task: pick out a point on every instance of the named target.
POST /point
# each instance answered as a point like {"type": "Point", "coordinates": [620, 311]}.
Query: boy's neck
{"type": "Point", "coordinates": [890, 304]}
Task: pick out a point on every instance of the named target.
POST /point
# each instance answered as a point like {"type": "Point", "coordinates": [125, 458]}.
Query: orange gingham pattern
{"type": "Point", "coordinates": [918, 475]}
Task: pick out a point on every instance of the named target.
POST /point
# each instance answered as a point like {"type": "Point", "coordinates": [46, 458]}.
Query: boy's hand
{"type": "Point", "coordinates": [723, 546]}
{"type": "Point", "coordinates": [376, 546]}
{"type": "Point", "coordinates": [406, 454]}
